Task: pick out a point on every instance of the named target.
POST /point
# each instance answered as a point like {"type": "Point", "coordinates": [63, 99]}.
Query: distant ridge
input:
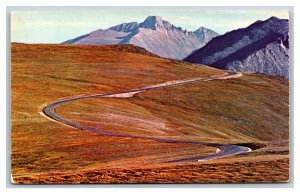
{"type": "Point", "coordinates": [130, 48]}
{"type": "Point", "coordinates": [154, 34]}
{"type": "Point", "coordinates": [262, 47]}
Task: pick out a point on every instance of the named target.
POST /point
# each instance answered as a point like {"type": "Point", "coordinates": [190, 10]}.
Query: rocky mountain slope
{"type": "Point", "coordinates": [154, 34]}
{"type": "Point", "coordinates": [262, 47]}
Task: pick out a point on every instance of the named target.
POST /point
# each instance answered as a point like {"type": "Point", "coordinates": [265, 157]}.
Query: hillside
{"type": "Point", "coordinates": [263, 47]}
{"type": "Point", "coordinates": [252, 110]}
{"type": "Point", "coordinates": [154, 34]}
{"type": "Point", "coordinates": [42, 74]}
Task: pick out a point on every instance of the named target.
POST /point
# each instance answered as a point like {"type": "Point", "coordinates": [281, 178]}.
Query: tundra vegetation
{"type": "Point", "coordinates": [252, 110]}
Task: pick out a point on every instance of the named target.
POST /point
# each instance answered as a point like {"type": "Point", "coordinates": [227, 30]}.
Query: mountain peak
{"type": "Point", "coordinates": [156, 19]}
{"type": "Point", "coordinates": [205, 34]}
{"type": "Point", "coordinates": [153, 22]}
{"type": "Point", "coordinates": [201, 30]}
{"type": "Point", "coordinates": [273, 24]}
{"type": "Point", "coordinates": [273, 18]}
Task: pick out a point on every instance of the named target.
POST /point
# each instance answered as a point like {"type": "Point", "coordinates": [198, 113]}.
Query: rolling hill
{"type": "Point", "coordinates": [252, 110]}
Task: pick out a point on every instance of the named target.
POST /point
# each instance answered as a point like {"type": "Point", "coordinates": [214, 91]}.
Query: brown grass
{"type": "Point", "coordinates": [251, 109]}
{"type": "Point", "coordinates": [253, 171]}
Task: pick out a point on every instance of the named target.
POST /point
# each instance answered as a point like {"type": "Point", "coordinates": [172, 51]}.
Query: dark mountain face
{"type": "Point", "coordinates": [260, 48]}
{"type": "Point", "coordinates": [154, 34]}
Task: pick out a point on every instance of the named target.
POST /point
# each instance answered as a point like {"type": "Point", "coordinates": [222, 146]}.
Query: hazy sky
{"type": "Point", "coordinates": [58, 26]}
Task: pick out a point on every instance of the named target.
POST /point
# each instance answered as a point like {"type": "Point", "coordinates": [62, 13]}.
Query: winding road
{"type": "Point", "coordinates": [223, 150]}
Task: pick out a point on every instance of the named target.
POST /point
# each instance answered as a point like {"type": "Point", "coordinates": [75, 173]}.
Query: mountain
{"type": "Point", "coordinates": [154, 34]}
{"type": "Point", "coordinates": [262, 47]}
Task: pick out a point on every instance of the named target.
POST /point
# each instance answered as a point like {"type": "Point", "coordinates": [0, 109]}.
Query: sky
{"type": "Point", "coordinates": [59, 26]}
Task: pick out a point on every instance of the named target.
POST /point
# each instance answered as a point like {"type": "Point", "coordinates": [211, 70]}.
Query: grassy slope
{"type": "Point", "coordinates": [44, 73]}
{"type": "Point", "coordinates": [250, 108]}
{"type": "Point", "coordinates": [253, 108]}
{"type": "Point", "coordinates": [228, 171]}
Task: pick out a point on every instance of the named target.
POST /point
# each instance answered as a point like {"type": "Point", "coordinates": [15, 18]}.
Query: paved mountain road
{"type": "Point", "coordinates": [226, 149]}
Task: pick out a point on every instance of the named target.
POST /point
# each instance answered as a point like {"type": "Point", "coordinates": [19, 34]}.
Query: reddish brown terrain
{"type": "Point", "coordinates": [251, 111]}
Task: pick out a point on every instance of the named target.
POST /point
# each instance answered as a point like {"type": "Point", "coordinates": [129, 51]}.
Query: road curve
{"type": "Point", "coordinates": [225, 149]}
